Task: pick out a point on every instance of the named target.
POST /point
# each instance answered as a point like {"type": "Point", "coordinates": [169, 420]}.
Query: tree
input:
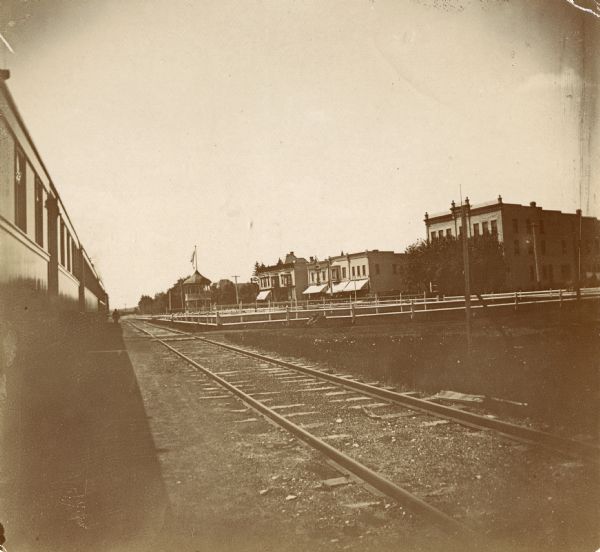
{"type": "Point", "coordinates": [440, 263]}
{"type": "Point", "coordinates": [248, 292]}
{"type": "Point", "coordinates": [145, 304]}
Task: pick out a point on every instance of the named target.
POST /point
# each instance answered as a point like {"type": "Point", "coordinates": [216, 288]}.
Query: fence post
{"type": "Point", "coordinates": [412, 309]}
{"type": "Point", "coordinates": [560, 298]}
{"type": "Point", "coordinates": [218, 318]}
{"type": "Point", "coordinates": [287, 315]}
{"type": "Point", "coordinates": [516, 300]}
{"type": "Point", "coordinates": [353, 312]}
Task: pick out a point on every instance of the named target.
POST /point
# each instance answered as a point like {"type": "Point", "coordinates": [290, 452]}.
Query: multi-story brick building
{"type": "Point", "coordinates": [358, 273]}
{"type": "Point", "coordinates": [283, 281]}
{"type": "Point", "coordinates": [543, 248]}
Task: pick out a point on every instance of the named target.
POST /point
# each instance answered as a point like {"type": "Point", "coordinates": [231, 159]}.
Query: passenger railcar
{"type": "Point", "coordinates": [43, 264]}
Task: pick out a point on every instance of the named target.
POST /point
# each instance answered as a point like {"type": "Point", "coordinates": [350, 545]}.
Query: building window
{"type": "Point", "coordinates": [542, 227]}
{"type": "Point", "coordinates": [448, 232]}
{"type": "Point", "coordinates": [433, 235]}
{"type": "Point", "coordinates": [494, 224]}
{"type": "Point", "coordinates": [312, 276]}
{"type": "Point", "coordinates": [364, 270]}
{"type": "Point", "coordinates": [39, 212]}
{"type": "Point", "coordinates": [564, 247]}
{"type": "Point", "coordinates": [531, 273]}
{"type": "Point", "coordinates": [543, 247]}
{"type": "Point", "coordinates": [353, 271]}
{"type": "Point", "coordinates": [20, 191]}
{"type": "Point", "coordinates": [377, 268]}
{"type": "Point", "coordinates": [515, 226]}
{"type": "Point", "coordinates": [441, 234]}
{"type": "Point", "coordinates": [344, 272]}
{"type": "Point", "coordinates": [484, 228]}
{"type": "Point", "coordinates": [476, 229]}
{"type": "Point", "coordinates": [517, 251]}
{"type": "Point", "coordinates": [323, 275]}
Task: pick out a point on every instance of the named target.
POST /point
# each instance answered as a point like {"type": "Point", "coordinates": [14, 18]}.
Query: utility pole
{"type": "Point", "coordinates": [465, 243]}
{"type": "Point", "coordinates": [235, 277]}
{"type": "Point", "coordinates": [578, 284]}
{"type": "Point", "coordinates": [536, 259]}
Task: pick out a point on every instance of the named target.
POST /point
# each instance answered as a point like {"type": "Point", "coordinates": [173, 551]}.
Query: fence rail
{"type": "Point", "coordinates": [378, 307]}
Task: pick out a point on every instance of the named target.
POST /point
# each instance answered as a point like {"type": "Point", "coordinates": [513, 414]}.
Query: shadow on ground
{"type": "Point", "coordinates": [80, 470]}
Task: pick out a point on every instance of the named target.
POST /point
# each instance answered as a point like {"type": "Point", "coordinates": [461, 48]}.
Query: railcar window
{"type": "Point", "coordinates": [39, 212]}
{"type": "Point", "coordinates": [69, 242]}
{"type": "Point", "coordinates": [20, 191]}
{"type": "Point", "coordinates": [62, 243]}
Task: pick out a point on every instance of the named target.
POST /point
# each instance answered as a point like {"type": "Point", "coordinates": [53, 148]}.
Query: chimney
{"type": "Point", "coordinates": [532, 204]}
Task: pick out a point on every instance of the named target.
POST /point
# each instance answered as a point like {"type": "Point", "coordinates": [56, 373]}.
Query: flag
{"type": "Point", "coordinates": [193, 257]}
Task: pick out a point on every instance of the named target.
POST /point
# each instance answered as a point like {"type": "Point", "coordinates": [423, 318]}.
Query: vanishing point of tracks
{"type": "Point", "coordinates": [307, 402]}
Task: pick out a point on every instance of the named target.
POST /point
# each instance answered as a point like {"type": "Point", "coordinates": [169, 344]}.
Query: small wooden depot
{"type": "Point", "coordinates": [196, 290]}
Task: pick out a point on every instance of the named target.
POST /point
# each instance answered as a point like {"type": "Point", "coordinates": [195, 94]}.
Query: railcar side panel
{"type": "Point", "coordinates": [21, 260]}
{"type": "Point", "coordinates": [68, 288]}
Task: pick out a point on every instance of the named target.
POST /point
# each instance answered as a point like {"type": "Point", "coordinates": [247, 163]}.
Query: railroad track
{"type": "Point", "coordinates": [307, 402]}
{"type": "Point", "coordinates": [586, 451]}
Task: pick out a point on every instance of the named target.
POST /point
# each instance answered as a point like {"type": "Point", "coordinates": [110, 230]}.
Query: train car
{"type": "Point", "coordinates": [43, 264]}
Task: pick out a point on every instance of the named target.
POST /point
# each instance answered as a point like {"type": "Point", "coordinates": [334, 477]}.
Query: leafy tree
{"type": "Point", "coordinates": [248, 292]}
{"type": "Point", "coordinates": [440, 263]}
{"type": "Point", "coordinates": [145, 304]}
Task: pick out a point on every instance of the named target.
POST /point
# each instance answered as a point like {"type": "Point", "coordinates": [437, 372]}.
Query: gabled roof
{"type": "Point", "coordinates": [197, 278]}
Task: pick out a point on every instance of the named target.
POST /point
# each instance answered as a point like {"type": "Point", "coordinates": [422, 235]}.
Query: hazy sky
{"type": "Point", "coordinates": [255, 128]}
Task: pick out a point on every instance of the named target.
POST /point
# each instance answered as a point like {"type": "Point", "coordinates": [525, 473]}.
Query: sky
{"type": "Point", "coordinates": [255, 128]}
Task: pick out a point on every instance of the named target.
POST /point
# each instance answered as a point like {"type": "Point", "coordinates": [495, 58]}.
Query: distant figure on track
{"type": "Point", "coordinates": [115, 316]}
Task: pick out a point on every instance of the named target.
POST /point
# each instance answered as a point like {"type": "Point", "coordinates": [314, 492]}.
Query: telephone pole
{"type": "Point", "coordinates": [465, 243]}
{"type": "Point", "coordinates": [237, 300]}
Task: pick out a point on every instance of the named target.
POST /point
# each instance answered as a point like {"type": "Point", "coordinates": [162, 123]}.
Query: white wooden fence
{"type": "Point", "coordinates": [378, 307]}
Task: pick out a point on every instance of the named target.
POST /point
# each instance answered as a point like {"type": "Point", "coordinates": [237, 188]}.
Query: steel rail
{"type": "Point", "coordinates": [587, 451]}
{"type": "Point", "coordinates": [366, 474]}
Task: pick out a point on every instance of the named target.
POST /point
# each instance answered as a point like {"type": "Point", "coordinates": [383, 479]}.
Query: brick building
{"type": "Point", "coordinates": [543, 248]}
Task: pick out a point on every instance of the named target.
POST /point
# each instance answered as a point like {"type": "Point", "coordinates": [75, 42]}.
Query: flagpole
{"type": "Point", "coordinates": [195, 258]}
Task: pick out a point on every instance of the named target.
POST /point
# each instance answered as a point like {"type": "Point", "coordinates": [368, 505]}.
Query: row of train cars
{"type": "Point", "coordinates": [44, 267]}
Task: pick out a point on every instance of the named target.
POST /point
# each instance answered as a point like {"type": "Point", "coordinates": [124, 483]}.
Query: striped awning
{"type": "Point", "coordinates": [263, 295]}
{"type": "Point", "coordinates": [356, 285]}
{"type": "Point", "coordinates": [314, 289]}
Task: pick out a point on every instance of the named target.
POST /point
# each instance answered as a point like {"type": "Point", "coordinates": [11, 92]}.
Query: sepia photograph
{"type": "Point", "coordinates": [299, 275]}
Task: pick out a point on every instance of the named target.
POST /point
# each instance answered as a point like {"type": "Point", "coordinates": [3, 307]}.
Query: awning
{"type": "Point", "coordinates": [314, 289]}
{"type": "Point", "coordinates": [357, 285]}
{"type": "Point", "coordinates": [263, 295]}
{"type": "Point", "coordinates": [339, 287]}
